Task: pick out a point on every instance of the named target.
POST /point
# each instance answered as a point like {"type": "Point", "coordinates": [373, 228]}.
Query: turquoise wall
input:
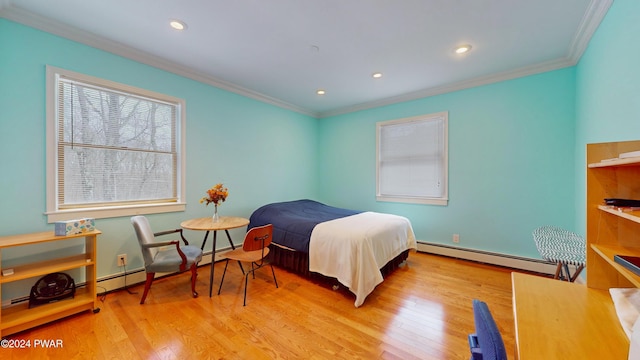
{"type": "Point", "coordinates": [511, 151]}
{"type": "Point", "coordinates": [516, 148]}
{"type": "Point", "coordinates": [263, 153]}
{"type": "Point", "coordinates": [608, 88]}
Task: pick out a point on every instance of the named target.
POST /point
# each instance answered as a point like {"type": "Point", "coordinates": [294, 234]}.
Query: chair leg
{"type": "Point", "coordinates": [194, 276]}
{"type": "Point", "coordinates": [147, 286]}
{"type": "Point", "coordinates": [224, 272]}
{"type": "Point", "coordinates": [246, 280]}
{"type": "Point", "coordinates": [274, 276]}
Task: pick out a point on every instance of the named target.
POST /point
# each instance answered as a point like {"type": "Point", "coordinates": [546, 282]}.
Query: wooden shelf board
{"type": "Point", "coordinates": [21, 314]}
{"type": "Point", "coordinates": [608, 251]}
{"type": "Point", "coordinates": [35, 238]}
{"type": "Point", "coordinates": [629, 215]}
{"type": "Point", "coordinates": [46, 267]}
{"type": "Point", "coordinates": [633, 161]}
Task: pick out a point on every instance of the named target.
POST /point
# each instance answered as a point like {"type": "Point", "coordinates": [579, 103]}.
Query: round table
{"type": "Point", "coordinates": [207, 224]}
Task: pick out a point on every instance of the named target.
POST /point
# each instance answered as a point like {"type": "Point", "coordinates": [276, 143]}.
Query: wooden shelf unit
{"type": "Point", "coordinates": [586, 313]}
{"type": "Point", "coordinates": [19, 317]}
{"type": "Point", "coordinates": [609, 231]}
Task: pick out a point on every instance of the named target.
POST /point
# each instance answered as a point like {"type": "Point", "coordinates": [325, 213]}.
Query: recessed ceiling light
{"type": "Point", "coordinates": [463, 49]}
{"type": "Point", "coordinates": [377, 75]}
{"type": "Point", "coordinates": [178, 25]}
{"type": "Point", "coordinates": [320, 92]}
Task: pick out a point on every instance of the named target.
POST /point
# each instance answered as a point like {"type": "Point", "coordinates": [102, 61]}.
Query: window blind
{"type": "Point", "coordinates": [114, 147]}
{"type": "Point", "coordinates": [412, 158]}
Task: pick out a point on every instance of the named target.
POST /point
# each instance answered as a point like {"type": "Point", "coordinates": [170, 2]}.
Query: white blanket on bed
{"type": "Point", "coordinates": [354, 248]}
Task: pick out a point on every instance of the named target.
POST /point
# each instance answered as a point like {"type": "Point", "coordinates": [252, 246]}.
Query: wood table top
{"type": "Point", "coordinates": [207, 224]}
{"type": "Point", "coordinates": [561, 320]}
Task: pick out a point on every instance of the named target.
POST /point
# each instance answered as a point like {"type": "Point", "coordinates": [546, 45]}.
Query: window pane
{"type": "Point", "coordinates": [114, 146]}
{"type": "Point", "coordinates": [412, 159]}
{"type": "Point", "coordinates": [97, 175]}
{"type": "Point", "coordinates": [100, 117]}
{"type": "Point", "coordinates": [112, 149]}
{"type": "Point", "coordinates": [410, 178]}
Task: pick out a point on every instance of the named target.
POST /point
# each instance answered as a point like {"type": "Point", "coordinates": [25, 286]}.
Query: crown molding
{"type": "Point", "coordinates": [13, 13]}
{"type": "Point", "coordinates": [467, 84]}
{"type": "Point", "coordinates": [592, 18]}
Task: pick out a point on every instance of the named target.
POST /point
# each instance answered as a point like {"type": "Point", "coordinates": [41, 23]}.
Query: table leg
{"type": "Point", "coordinates": [233, 247]}
{"type": "Point", "coordinates": [213, 261]}
{"type": "Point", "coordinates": [205, 240]}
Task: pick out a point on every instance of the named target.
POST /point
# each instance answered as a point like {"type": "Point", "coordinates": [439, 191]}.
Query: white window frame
{"type": "Point", "coordinates": [442, 165]}
{"type": "Point", "coordinates": [53, 211]}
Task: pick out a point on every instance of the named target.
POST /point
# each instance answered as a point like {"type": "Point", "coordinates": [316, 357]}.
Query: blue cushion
{"type": "Point", "coordinates": [169, 260]}
{"type": "Point", "coordinates": [486, 343]}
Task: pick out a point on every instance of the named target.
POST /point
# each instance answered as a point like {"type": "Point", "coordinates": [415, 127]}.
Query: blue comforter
{"type": "Point", "coordinates": [293, 221]}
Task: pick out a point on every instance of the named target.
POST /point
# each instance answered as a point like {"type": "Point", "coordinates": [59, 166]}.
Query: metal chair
{"type": "Point", "coordinates": [563, 248]}
{"type": "Point", "coordinates": [486, 343]}
{"type": "Point", "coordinates": [174, 258]}
{"type": "Point", "coordinates": [254, 250]}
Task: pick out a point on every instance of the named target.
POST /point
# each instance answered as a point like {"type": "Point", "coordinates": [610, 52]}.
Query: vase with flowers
{"type": "Point", "coordinates": [216, 195]}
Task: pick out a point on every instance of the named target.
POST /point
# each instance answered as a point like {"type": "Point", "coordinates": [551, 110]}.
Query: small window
{"type": "Point", "coordinates": [112, 149]}
{"type": "Point", "coordinates": [412, 159]}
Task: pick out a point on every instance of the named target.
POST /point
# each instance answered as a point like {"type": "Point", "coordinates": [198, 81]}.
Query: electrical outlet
{"type": "Point", "coordinates": [122, 259]}
{"type": "Point", "coordinates": [456, 238]}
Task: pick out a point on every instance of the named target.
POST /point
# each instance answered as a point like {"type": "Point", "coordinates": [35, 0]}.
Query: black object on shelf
{"type": "Point", "coordinates": [622, 202]}
{"type": "Point", "coordinates": [51, 288]}
{"type": "Point", "coordinates": [630, 262]}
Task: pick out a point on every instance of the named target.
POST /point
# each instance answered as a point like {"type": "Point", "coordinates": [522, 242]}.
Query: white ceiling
{"type": "Point", "coordinates": [282, 51]}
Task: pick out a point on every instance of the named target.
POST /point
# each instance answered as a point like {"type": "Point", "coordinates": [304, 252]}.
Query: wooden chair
{"type": "Point", "coordinates": [254, 250]}
{"type": "Point", "coordinates": [168, 260]}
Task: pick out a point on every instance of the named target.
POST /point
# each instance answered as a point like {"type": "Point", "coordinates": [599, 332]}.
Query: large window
{"type": "Point", "coordinates": [112, 149]}
{"type": "Point", "coordinates": [412, 159]}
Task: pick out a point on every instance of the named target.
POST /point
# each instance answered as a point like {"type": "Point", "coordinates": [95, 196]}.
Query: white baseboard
{"type": "Point", "coordinates": [515, 262]}
{"type": "Point", "coordinates": [137, 276]}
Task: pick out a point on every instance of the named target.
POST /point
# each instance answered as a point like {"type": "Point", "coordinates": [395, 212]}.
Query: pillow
{"type": "Point", "coordinates": [627, 304]}
{"type": "Point", "coordinates": [634, 346]}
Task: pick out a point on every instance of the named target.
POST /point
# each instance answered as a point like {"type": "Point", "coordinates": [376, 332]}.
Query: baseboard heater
{"type": "Point", "coordinates": [510, 261]}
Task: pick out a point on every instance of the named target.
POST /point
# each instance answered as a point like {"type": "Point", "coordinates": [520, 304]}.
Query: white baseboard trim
{"type": "Point", "coordinates": [515, 262]}
{"type": "Point", "coordinates": [136, 276]}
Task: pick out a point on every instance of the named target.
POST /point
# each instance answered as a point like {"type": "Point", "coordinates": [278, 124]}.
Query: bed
{"type": "Point", "coordinates": [356, 248]}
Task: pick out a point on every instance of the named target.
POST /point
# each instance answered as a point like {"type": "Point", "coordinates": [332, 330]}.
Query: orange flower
{"type": "Point", "coordinates": [217, 194]}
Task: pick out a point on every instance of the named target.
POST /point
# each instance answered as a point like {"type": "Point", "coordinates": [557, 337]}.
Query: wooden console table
{"type": "Point", "coordinates": [561, 320]}
{"type": "Point", "coordinates": [19, 317]}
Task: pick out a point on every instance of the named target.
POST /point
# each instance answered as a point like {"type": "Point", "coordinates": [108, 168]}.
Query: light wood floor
{"type": "Point", "coordinates": [421, 311]}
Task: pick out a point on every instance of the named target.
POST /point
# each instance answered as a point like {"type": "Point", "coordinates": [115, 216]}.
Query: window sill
{"type": "Point", "coordinates": [411, 200]}
{"type": "Point", "coordinates": [114, 211]}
